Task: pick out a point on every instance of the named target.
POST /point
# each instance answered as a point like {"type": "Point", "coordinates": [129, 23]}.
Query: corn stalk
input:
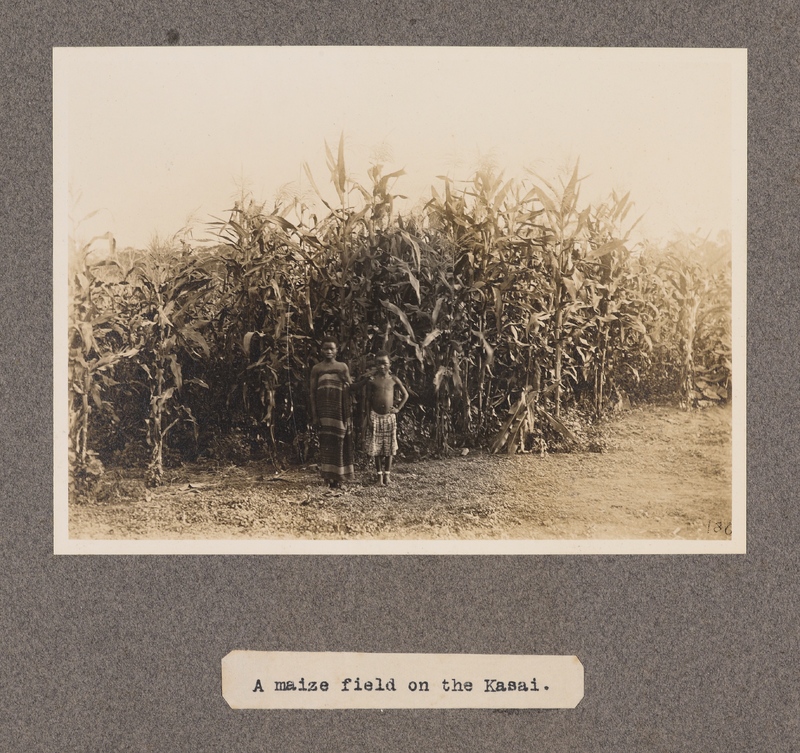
{"type": "Point", "coordinates": [167, 288]}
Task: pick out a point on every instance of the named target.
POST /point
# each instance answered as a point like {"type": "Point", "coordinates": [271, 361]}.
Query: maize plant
{"type": "Point", "coordinates": [613, 317]}
{"type": "Point", "coordinates": [165, 290]}
{"type": "Point", "coordinates": [700, 301]}
{"type": "Point", "coordinates": [564, 232]}
{"type": "Point", "coordinates": [96, 345]}
{"type": "Point", "coordinates": [264, 311]}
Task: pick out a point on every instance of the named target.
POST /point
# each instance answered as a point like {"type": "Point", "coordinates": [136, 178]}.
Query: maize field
{"type": "Point", "coordinates": [516, 315]}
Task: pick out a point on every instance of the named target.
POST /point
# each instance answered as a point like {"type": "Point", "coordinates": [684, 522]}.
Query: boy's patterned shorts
{"type": "Point", "coordinates": [382, 434]}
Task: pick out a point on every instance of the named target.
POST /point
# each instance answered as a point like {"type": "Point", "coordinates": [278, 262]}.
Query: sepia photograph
{"type": "Point", "coordinates": [367, 300]}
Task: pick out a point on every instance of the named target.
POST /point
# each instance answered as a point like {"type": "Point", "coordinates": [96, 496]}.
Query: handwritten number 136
{"type": "Point", "coordinates": [719, 527]}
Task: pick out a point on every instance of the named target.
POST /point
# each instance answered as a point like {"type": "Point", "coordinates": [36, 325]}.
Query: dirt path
{"type": "Point", "coordinates": [666, 475]}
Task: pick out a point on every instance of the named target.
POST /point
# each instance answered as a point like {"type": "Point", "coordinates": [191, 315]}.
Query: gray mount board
{"type": "Point", "coordinates": [123, 653]}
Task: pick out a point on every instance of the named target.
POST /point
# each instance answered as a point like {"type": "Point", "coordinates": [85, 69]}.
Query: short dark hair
{"type": "Point", "coordinates": [382, 353]}
{"type": "Point", "coordinates": [327, 340]}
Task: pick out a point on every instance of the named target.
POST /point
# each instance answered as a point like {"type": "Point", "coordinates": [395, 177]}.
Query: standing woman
{"type": "Point", "coordinates": [330, 413]}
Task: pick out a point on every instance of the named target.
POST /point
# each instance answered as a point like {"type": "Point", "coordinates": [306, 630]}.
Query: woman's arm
{"type": "Point", "coordinates": [314, 381]}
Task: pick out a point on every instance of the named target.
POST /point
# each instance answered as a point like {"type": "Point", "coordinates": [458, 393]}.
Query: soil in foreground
{"type": "Point", "coordinates": [666, 475]}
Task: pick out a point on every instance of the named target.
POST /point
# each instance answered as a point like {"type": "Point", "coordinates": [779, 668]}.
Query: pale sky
{"type": "Point", "coordinates": [152, 136]}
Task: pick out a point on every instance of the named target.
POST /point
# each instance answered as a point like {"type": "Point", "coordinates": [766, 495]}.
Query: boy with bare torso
{"type": "Point", "coordinates": [382, 427]}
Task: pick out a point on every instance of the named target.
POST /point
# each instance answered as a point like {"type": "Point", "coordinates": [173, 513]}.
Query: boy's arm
{"type": "Point", "coordinates": [403, 395]}
{"type": "Point", "coordinates": [348, 382]}
{"type": "Point", "coordinates": [363, 379]}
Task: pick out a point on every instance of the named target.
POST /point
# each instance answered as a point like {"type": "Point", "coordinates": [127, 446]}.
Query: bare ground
{"type": "Point", "coordinates": [666, 475]}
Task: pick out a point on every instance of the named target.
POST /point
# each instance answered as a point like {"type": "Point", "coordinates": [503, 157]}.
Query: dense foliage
{"type": "Point", "coordinates": [508, 307]}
